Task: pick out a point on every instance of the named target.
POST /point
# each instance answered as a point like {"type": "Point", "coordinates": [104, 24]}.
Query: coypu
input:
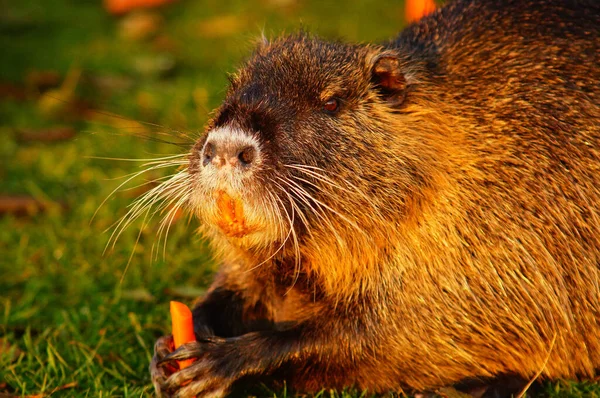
{"type": "Point", "coordinates": [412, 215]}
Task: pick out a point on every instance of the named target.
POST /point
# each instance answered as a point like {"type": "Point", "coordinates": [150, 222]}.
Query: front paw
{"type": "Point", "coordinates": [209, 376]}
{"type": "Point", "coordinates": [160, 371]}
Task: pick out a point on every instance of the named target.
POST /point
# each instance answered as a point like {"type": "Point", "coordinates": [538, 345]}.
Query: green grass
{"type": "Point", "coordinates": [78, 321]}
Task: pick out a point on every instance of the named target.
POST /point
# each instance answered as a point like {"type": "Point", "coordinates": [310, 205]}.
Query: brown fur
{"type": "Point", "coordinates": [450, 229]}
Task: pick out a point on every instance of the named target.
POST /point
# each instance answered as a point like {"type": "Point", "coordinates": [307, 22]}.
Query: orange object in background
{"type": "Point", "coordinates": [417, 9]}
{"type": "Point", "coordinates": [183, 328]}
{"type": "Point", "coordinates": [123, 6]}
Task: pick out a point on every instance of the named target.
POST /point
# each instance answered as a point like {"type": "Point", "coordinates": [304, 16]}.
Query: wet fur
{"type": "Point", "coordinates": [454, 237]}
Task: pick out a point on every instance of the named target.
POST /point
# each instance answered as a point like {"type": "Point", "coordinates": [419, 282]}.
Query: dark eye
{"type": "Point", "coordinates": [332, 105]}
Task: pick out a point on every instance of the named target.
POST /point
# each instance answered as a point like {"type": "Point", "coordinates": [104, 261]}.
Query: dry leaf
{"type": "Point", "coordinates": [42, 80]}
{"type": "Point", "coordinates": [53, 134]}
{"type": "Point", "coordinates": [21, 205]}
{"type": "Point", "coordinates": [12, 91]}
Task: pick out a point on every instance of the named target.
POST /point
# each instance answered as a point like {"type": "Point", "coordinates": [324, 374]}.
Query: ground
{"type": "Point", "coordinates": [78, 85]}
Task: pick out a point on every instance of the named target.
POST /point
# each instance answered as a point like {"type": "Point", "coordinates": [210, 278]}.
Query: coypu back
{"type": "Point", "coordinates": [508, 256]}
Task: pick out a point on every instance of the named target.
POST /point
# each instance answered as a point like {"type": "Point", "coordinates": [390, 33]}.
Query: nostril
{"type": "Point", "coordinates": [247, 155]}
{"type": "Point", "coordinates": [208, 153]}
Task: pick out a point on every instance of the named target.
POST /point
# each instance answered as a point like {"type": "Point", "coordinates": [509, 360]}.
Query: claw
{"type": "Point", "coordinates": [159, 376]}
{"type": "Point", "coordinates": [186, 351]}
{"type": "Point", "coordinates": [177, 379]}
{"type": "Point", "coordinates": [198, 379]}
{"type": "Point", "coordinates": [160, 370]}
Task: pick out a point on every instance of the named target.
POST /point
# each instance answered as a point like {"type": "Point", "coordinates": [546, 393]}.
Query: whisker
{"type": "Point", "coordinates": [141, 124]}
{"type": "Point", "coordinates": [297, 261]}
{"type": "Point", "coordinates": [168, 219]}
{"type": "Point", "coordinates": [136, 173]}
{"type": "Point", "coordinates": [284, 240]}
{"type": "Point", "coordinates": [148, 182]}
{"type": "Point", "coordinates": [275, 210]}
{"type": "Point", "coordinates": [175, 197]}
{"type": "Point", "coordinates": [316, 175]}
{"type": "Point", "coordinates": [319, 213]}
{"type": "Point", "coordinates": [131, 177]}
{"type": "Point", "coordinates": [138, 160]}
{"type": "Point", "coordinates": [328, 180]}
{"type": "Point", "coordinates": [341, 216]}
{"type": "Point", "coordinates": [146, 201]}
{"type": "Point", "coordinates": [302, 197]}
{"type": "Point", "coordinates": [137, 240]}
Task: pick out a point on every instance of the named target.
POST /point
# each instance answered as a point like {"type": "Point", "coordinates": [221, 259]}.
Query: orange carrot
{"type": "Point", "coordinates": [417, 9]}
{"type": "Point", "coordinates": [183, 328]}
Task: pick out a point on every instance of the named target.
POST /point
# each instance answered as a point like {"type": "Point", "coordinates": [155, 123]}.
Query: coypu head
{"type": "Point", "coordinates": [308, 146]}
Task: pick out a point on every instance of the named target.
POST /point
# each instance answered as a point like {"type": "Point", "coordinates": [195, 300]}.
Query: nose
{"type": "Point", "coordinates": [234, 150]}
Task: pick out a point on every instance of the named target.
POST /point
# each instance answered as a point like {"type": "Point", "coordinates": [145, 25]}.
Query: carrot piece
{"type": "Point", "coordinates": [183, 328]}
{"type": "Point", "coordinates": [417, 9]}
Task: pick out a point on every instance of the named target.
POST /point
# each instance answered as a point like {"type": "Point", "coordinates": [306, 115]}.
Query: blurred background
{"type": "Point", "coordinates": [80, 80]}
{"type": "Point", "coordinates": [87, 88]}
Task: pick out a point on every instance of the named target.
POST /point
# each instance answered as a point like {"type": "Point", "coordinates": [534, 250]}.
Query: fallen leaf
{"type": "Point", "coordinates": [12, 91]}
{"type": "Point", "coordinates": [53, 134]}
{"type": "Point", "coordinates": [42, 80]}
{"type": "Point", "coordinates": [21, 205]}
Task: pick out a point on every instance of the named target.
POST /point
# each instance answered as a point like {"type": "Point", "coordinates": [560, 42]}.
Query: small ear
{"type": "Point", "coordinates": [387, 75]}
